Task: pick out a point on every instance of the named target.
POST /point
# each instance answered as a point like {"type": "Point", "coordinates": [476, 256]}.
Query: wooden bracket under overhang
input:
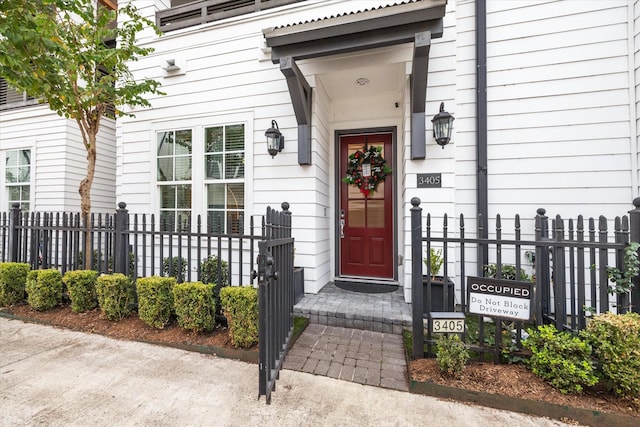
{"type": "Point", "coordinates": [419, 73]}
{"type": "Point", "coordinates": [300, 92]}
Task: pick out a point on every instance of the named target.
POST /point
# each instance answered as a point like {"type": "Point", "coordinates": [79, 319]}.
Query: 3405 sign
{"type": "Point", "coordinates": [429, 180]}
{"type": "Point", "coordinates": [446, 322]}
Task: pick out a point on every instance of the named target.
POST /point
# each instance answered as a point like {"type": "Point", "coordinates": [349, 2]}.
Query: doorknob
{"type": "Point", "coordinates": [342, 223]}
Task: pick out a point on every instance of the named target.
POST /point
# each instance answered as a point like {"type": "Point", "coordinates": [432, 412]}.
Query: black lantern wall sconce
{"type": "Point", "coordinates": [442, 126]}
{"type": "Point", "coordinates": [275, 139]}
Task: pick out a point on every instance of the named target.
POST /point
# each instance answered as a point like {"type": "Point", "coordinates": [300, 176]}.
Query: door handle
{"type": "Point", "coordinates": [342, 228]}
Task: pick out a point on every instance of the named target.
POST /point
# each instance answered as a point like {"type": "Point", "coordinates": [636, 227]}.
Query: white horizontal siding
{"type": "Point", "coordinates": [59, 158]}
{"type": "Point", "coordinates": [558, 108]}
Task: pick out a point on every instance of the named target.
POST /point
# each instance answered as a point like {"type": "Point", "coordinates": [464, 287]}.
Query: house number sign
{"type": "Point", "coordinates": [447, 322]}
{"type": "Point", "coordinates": [429, 180]}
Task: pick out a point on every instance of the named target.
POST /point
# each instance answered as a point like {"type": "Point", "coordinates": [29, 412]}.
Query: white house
{"type": "Point", "coordinates": [544, 95]}
{"type": "Point", "coordinates": [44, 159]}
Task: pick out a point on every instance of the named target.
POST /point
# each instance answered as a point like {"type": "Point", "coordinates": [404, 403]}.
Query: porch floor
{"type": "Point", "coordinates": [381, 312]}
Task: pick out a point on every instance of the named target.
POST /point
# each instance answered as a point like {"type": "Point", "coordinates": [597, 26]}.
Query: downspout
{"type": "Point", "coordinates": [633, 137]}
{"type": "Point", "coordinates": [481, 131]}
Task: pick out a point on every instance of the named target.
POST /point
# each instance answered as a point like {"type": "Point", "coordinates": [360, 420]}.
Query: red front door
{"type": "Point", "coordinates": [366, 222]}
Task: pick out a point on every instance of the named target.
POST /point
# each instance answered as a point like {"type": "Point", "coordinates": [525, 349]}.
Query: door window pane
{"type": "Point", "coordinates": [356, 213]}
{"type": "Point", "coordinates": [375, 213]}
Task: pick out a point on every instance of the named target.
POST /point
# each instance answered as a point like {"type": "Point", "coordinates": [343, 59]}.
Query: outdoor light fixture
{"type": "Point", "coordinates": [442, 126]}
{"type": "Point", "coordinates": [275, 140]}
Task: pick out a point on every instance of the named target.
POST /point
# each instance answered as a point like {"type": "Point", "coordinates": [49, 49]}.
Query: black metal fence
{"type": "Point", "coordinates": [566, 268]}
{"type": "Point", "coordinates": [276, 297]}
{"type": "Point", "coordinates": [133, 244]}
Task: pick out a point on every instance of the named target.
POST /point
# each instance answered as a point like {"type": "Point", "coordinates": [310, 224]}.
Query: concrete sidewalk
{"type": "Point", "coordinates": [55, 377]}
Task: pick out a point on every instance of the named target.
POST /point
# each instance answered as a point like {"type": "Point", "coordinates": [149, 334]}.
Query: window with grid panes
{"type": "Point", "coordinates": [174, 158]}
{"type": "Point", "coordinates": [224, 176]}
{"type": "Point", "coordinates": [18, 177]}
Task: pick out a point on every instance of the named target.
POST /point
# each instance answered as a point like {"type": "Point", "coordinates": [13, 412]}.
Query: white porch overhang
{"type": "Point", "coordinates": [411, 21]}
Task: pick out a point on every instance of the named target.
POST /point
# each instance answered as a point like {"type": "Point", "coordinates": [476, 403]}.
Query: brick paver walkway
{"type": "Point", "coordinates": [365, 357]}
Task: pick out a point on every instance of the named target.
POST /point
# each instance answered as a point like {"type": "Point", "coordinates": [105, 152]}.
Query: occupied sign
{"type": "Point", "coordinates": [508, 299]}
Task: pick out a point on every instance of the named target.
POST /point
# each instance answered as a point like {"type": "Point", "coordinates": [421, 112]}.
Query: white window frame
{"type": "Point", "coordinates": [3, 176]}
{"type": "Point", "coordinates": [198, 180]}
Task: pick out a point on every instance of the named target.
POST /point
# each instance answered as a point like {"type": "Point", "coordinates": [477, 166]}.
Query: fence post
{"type": "Point", "coordinates": [14, 234]}
{"type": "Point", "coordinates": [121, 240]}
{"type": "Point", "coordinates": [634, 236]}
{"type": "Point", "coordinates": [417, 321]}
{"type": "Point", "coordinates": [542, 266]}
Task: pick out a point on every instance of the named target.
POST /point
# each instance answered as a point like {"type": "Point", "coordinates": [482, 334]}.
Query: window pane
{"type": "Point", "coordinates": [183, 168]}
{"type": "Point", "coordinates": [12, 158]}
{"type": "Point", "coordinates": [165, 169]}
{"type": "Point", "coordinates": [234, 219]}
{"type": "Point", "coordinates": [184, 220]}
{"type": "Point", "coordinates": [183, 197]}
{"type": "Point", "coordinates": [14, 193]}
{"type": "Point", "coordinates": [24, 174]}
{"type": "Point", "coordinates": [356, 213]}
{"type": "Point", "coordinates": [24, 190]}
{"type": "Point", "coordinates": [11, 175]}
{"type": "Point", "coordinates": [167, 196]}
{"type": "Point", "coordinates": [167, 221]}
{"type": "Point", "coordinates": [183, 142]}
{"type": "Point", "coordinates": [213, 139]}
{"type": "Point", "coordinates": [215, 196]}
{"type": "Point", "coordinates": [25, 157]}
{"type": "Point", "coordinates": [165, 143]}
{"type": "Point", "coordinates": [235, 196]}
{"type": "Point", "coordinates": [375, 213]}
{"type": "Point", "coordinates": [234, 166]}
{"type": "Point", "coordinates": [216, 221]}
{"type": "Point", "coordinates": [234, 140]}
{"type": "Point", "coordinates": [214, 166]}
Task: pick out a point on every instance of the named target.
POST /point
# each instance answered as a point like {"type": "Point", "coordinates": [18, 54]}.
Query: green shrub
{"type": "Point", "coordinates": [81, 285]}
{"type": "Point", "coordinates": [115, 294]}
{"type": "Point", "coordinates": [194, 305]}
{"type": "Point", "coordinates": [174, 267]}
{"type": "Point", "coordinates": [561, 358]}
{"type": "Point", "coordinates": [44, 289]}
{"type": "Point", "coordinates": [452, 354]}
{"type": "Point", "coordinates": [240, 307]}
{"type": "Point", "coordinates": [13, 279]}
{"type": "Point", "coordinates": [209, 274]}
{"type": "Point", "coordinates": [155, 300]}
{"type": "Point", "coordinates": [615, 339]}
{"type": "Point", "coordinates": [508, 272]}
{"type": "Point", "coordinates": [435, 261]}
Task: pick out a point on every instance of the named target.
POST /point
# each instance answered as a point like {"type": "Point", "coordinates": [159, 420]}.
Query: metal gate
{"type": "Point", "coordinates": [276, 296]}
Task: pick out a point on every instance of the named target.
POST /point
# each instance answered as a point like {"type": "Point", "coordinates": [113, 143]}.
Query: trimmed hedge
{"type": "Point", "coordinates": [155, 300]}
{"type": "Point", "coordinates": [13, 280]}
{"type": "Point", "coordinates": [195, 306]}
{"type": "Point", "coordinates": [81, 285]}
{"type": "Point", "coordinates": [209, 275]}
{"type": "Point", "coordinates": [44, 289]}
{"type": "Point", "coordinates": [115, 295]}
{"type": "Point", "coordinates": [615, 339]}
{"type": "Point", "coordinates": [240, 306]}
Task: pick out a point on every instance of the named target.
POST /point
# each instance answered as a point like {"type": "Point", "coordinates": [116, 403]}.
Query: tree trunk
{"type": "Point", "coordinates": [85, 197]}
